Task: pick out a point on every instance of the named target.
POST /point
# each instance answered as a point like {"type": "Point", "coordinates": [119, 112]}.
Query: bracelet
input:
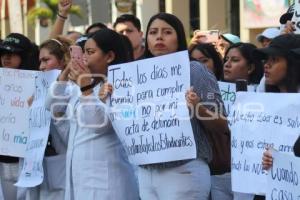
{"type": "Point", "coordinates": [85, 88]}
{"type": "Point", "coordinates": [62, 17]}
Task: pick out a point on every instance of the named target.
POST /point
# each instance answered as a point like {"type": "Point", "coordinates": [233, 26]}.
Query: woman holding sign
{"type": "Point", "coordinates": [183, 179]}
{"type": "Point", "coordinates": [282, 73]}
{"type": "Point", "coordinates": [54, 54]}
{"type": "Point", "coordinates": [97, 166]}
{"type": "Point", "coordinates": [16, 52]}
{"type": "Point", "coordinates": [239, 64]}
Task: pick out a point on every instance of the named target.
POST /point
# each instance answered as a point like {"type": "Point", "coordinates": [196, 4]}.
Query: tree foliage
{"type": "Point", "coordinates": [49, 11]}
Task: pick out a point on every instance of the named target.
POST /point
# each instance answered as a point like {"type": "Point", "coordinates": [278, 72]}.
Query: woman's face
{"type": "Point", "coordinates": [49, 61]}
{"type": "Point", "coordinates": [96, 59]}
{"type": "Point", "coordinates": [198, 55]}
{"type": "Point", "coordinates": [11, 60]}
{"type": "Point", "coordinates": [161, 38]}
{"type": "Point", "coordinates": [265, 42]}
{"type": "Point", "coordinates": [235, 66]}
{"type": "Point", "coordinates": [275, 70]}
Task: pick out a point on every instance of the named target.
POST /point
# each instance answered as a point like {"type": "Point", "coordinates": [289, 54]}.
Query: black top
{"type": "Point", "coordinates": [8, 159]}
{"type": "Point", "coordinates": [297, 147]}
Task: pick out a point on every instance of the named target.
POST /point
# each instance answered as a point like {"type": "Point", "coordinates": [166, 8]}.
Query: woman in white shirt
{"type": "Point", "coordinates": [97, 166]}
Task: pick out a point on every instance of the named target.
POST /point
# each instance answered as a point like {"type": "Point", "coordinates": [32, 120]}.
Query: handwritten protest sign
{"type": "Point", "coordinates": [296, 17]}
{"type": "Point", "coordinates": [284, 178]}
{"type": "Point", "coordinates": [16, 87]}
{"type": "Point", "coordinates": [149, 111]}
{"type": "Point", "coordinates": [260, 120]}
{"type": "Point", "coordinates": [32, 173]}
{"type": "Point", "coordinates": [228, 93]}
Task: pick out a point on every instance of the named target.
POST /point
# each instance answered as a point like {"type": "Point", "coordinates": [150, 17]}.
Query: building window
{"type": "Point", "coordinates": [235, 17]}
{"type": "Point", "coordinates": [194, 15]}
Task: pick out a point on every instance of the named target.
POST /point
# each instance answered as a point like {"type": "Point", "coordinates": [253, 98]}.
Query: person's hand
{"type": "Point", "coordinates": [194, 41]}
{"type": "Point", "coordinates": [192, 98]}
{"type": "Point", "coordinates": [64, 74]}
{"type": "Point", "coordinates": [267, 160]}
{"type": "Point", "coordinates": [105, 90]}
{"type": "Point", "coordinates": [64, 7]}
{"type": "Point", "coordinates": [80, 73]}
{"type": "Point", "coordinates": [30, 100]}
{"type": "Point", "coordinates": [289, 27]}
{"type": "Point", "coordinates": [221, 46]}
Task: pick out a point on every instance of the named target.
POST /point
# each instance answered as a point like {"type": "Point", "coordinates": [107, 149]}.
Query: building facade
{"type": "Point", "coordinates": [245, 18]}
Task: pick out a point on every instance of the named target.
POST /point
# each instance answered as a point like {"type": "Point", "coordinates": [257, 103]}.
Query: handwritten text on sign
{"type": "Point", "coordinates": [16, 87]}
{"type": "Point", "coordinates": [228, 92]}
{"type": "Point", "coordinates": [296, 17]}
{"type": "Point", "coordinates": [32, 173]}
{"type": "Point", "coordinates": [149, 111]}
{"type": "Point", "coordinates": [260, 120]}
{"type": "Point", "coordinates": [284, 178]}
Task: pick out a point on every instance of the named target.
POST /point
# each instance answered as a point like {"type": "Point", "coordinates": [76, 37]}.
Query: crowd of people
{"type": "Point", "coordinates": [91, 161]}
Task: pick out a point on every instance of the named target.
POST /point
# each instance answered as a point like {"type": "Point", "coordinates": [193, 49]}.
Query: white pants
{"type": "Point", "coordinates": [190, 181]}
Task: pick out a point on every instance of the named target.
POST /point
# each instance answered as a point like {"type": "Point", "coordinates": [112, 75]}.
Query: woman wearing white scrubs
{"type": "Point", "coordinates": [97, 166]}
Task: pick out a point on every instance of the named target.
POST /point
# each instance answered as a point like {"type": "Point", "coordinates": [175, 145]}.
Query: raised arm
{"type": "Point", "coordinates": [58, 96]}
{"type": "Point", "coordinates": [62, 15]}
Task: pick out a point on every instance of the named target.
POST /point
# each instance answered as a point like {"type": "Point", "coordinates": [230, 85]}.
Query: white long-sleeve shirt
{"type": "Point", "coordinates": [97, 166]}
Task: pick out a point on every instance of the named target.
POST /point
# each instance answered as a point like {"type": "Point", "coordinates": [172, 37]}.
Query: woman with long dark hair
{"type": "Point", "coordinates": [97, 165]}
{"type": "Point", "coordinates": [239, 63]}
{"type": "Point", "coordinates": [183, 179]}
{"type": "Point", "coordinates": [282, 72]}
{"type": "Point", "coordinates": [207, 54]}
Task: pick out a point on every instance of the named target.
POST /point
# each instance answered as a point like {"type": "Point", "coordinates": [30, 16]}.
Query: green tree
{"type": "Point", "coordinates": [44, 14]}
